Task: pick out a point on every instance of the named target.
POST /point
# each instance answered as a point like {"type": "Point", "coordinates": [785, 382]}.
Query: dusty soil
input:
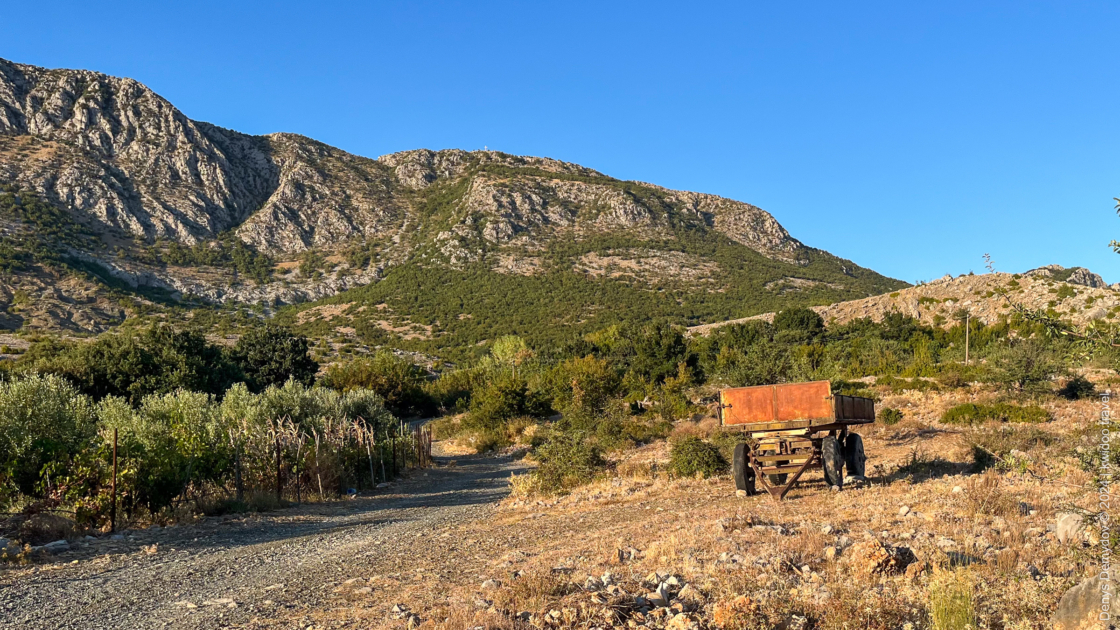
{"type": "Point", "coordinates": [238, 571]}
{"type": "Point", "coordinates": [751, 562]}
{"type": "Point", "coordinates": [452, 550]}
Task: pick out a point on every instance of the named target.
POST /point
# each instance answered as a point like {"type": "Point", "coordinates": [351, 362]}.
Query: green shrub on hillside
{"type": "Point", "coordinates": [973, 413]}
{"type": "Point", "coordinates": [890, 416]}
{"type": "Point", "coordinates": [692, 456]}
{"type": "Point", "coordinates": [612, 427]}
{"type": "Point", "coordinates": [585, 382]}
{"type": "Point", "coordinates": [400, 382]}
{"type": "Point", "coordinates": [170, 441]}
{"type": "Point", "coordinates": [307, 407]}
{"type": "Point", "coordinates": [798, 324]}
{"type": "Point", "coordinates": [227, 251]}
{"type": "Point", "coordinates": [895, 383]}
{"type": "Point", "coordinates": [1027, 366]}
{"type": "Point", "coordinates": [757, 364]}
{"type": "Point", "coordinates": [502, 400]}
{"type": "Point", "coordinates": [452, 390]}
{"type": "Point", "coordinates": [43, 420]}
{"type": "Point", "coordinates": [566, 460]}
{"type": "Point", "coordinates": [651, 352]}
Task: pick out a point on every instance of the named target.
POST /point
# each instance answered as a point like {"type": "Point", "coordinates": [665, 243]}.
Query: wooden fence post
{"type": "Point", "coordinates": [277, 469]}
{"type": "Point", "coordinates": [372, 477]}
{"type": "Point", "coordinates": [113, 508]}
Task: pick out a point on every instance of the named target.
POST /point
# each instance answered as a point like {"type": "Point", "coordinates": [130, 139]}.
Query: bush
{"type": "Point", "coordinates": [397, 380]}
{"type": "Point", "coordinates": [803, 322]}
{"type": "Point", "coordinates": [613, 428]}
{"type": "Point", "coordinates": [1026, 366]}
{"type": "Point", "coordinates": [43, 420]}
{"type": "Point", "coordinates": [271, 355]}
{"type": "Point", "coordinates": [169, 442]}
{"type": "Point", "coordinates": [306, 407]}
{"type": "Point", "coordinates": [452, 390]}
{"type": "Point", "coordinates": [567, 460]}
{"type": "Point", "coordinates": [902, 384]}
{"type": "Point", "coordinates": [758, 364]}
{"type": "Point", "coordinates": [692, 456]}
{"type": "Point", "coordinates": [583, 383]}
{"type": "Point", "coordinates": [503, 399]}
{"type": "Point", "coordinates": [972, 413]}
{"type": "Point", "coordinates": [890, 415]}
{"type": "Point", "coordinates": [1077, 388]}
{"type": "Point", "coordinates": [652, 352]}
{"type": "Point", "coordinates": [158, 360]}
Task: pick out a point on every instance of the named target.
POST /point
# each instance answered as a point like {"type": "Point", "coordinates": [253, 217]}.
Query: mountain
{"type": "Point", "coordinates": [1077, 296]}
{"type": "Point", "coordinates": [150, 200]}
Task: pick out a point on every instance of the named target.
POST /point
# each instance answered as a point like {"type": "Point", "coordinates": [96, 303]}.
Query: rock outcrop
{"type": "Point", "coordinates": [986, 298]}
{"type": "Point", "coordinates": [1074, 275]}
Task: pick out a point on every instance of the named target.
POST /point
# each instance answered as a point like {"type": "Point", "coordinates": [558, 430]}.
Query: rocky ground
{"type": "Point", "coordinates": [1081, 300]}
{"type": "Point", "coordinates": [237, 571]}
{"type": "Point", "coordinates": [636, 549]}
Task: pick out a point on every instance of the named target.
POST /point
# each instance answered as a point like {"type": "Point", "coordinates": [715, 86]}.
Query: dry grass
{"type": "Point", "coordinates": [950, 601]}
{"type": "Point", "coordinates": [984, 497]}
{"type": "Point", "coordinates": [758, 563]}
{"type": "Point", "coordinates": [535, 590]}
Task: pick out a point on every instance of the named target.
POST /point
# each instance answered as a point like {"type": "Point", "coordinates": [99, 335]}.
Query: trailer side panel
{"type": "Point", "coordinates": [777, 403]}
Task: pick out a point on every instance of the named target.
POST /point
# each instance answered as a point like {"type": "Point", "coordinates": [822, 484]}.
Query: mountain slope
{"type": "Point", "coordinates": [1076, 296]}
{"type": "Point", "coordinates": [165, 202]}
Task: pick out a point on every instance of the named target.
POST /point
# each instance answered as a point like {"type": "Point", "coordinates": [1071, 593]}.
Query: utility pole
{"type": "Point", "coordinates": [967, 317]}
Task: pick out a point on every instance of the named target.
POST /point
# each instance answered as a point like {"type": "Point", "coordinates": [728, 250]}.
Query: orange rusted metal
{"type": "Point", "coordinates": [778, 403]}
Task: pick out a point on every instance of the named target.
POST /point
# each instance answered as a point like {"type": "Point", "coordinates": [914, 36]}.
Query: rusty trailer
{"type": "Point", "coordinates": [792, 428]}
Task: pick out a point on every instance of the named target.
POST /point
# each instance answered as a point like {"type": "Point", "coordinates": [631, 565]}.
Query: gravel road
{"type": "Point", "coordinates": [230, 572]}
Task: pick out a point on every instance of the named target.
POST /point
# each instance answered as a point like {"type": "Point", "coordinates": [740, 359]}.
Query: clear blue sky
{"type": "Point", "coordinates": [909, 137]}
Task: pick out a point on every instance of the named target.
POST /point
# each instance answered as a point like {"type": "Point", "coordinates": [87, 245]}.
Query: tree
{"type": "Point", "coordinates": [271, 355]}
{"type": "Point", "coordinates": [43, 420]}
{"type": "Point", "coordinates": [397, 380]}
{"type": "Point", "coordinates": [156, 361]}
{"type": "Point", "coordinates": [798, 324]}
{"type": "Point", "coordinates": [1027, 366]}
{"type": "Point", "coordinates": [653, 351]}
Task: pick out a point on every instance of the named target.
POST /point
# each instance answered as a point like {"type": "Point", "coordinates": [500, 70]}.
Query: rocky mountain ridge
{"type": "Point", "coordinates": [154, 195]}
{"type": "Point", "coordinates": [1079, 297]}
{"type": "Point", "coordinates": [121, 156]}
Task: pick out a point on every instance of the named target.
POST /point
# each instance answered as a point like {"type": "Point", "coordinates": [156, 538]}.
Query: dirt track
{"type": "Point", "coordinates": [261, 570]}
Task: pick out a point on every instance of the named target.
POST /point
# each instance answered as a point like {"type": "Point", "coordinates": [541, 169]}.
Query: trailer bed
{"type": "Point", "coordinates": [791, 428]}
{"type": "Point", "coordinates": [791, 406]}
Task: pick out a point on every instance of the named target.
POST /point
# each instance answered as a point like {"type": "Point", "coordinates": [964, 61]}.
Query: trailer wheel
{"type": "Point", "coordinates": [854, 458]}
{"type": "Point", "coordinates": [778, 479]}
{"type": "Point", "coordinates": [833, 461]}
{"type": "Point", "coordinates": [741, 469]}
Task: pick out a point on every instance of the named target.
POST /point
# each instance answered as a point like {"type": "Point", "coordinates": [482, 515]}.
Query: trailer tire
{"type": "Point", "coordinates": [741, 469]}
{"type": "Point", "coordinates": [778, 479]}
{"type": "Point", "coordinates": [855, 460]}
{"type": "Point", "coordinates": [832, 460]}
